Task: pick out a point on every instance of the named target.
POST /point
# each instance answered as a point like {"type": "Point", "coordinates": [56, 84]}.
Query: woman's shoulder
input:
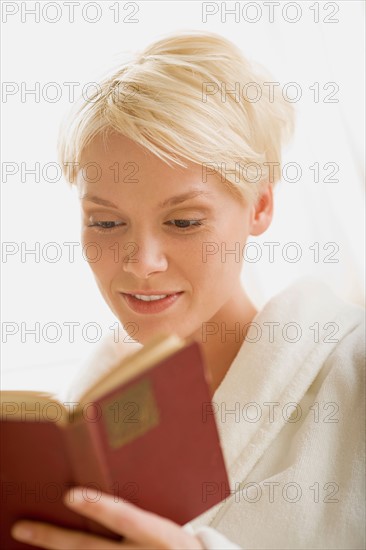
{"type": "Point", "coordinates": [348, 356]}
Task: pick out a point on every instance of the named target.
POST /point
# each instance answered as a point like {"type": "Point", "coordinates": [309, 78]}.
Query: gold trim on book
{"type": "Point", "coordinates": [131, 414]}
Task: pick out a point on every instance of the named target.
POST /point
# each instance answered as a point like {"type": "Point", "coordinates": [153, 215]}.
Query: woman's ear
{"type": "Point", "coordinates": [262, 211]}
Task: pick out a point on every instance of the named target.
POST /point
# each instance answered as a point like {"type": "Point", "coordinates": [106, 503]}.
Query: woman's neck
{"type": "Point", "coordinates": [223, 335]}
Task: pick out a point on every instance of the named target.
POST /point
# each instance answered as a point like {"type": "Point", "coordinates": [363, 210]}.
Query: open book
{"type": "Point", "coordinates": [144, 432]}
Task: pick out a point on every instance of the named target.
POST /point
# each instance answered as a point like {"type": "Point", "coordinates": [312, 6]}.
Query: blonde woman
{"type": "Point", "coordinates": [175, 160]}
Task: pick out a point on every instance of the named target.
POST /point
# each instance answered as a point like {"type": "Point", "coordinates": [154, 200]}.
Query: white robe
{"type": "Point", "coordinates": [298, 479]}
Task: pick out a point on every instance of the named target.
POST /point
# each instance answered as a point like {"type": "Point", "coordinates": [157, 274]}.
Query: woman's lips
{"type": "Point", "coordinates": [153, 306]}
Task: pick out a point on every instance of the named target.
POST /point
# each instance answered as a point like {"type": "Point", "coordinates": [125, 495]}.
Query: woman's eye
{"type": "Point", "coordinates": [105, 226]}
{"type": "Point", "coordinates": [185, 224]}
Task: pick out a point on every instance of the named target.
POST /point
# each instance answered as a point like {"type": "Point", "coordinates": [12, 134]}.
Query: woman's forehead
{"type": "Point", "coordinates": [118, 157]}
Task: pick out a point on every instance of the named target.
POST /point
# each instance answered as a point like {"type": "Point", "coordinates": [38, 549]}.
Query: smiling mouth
{"type": "Point", "coordinates": [150, 298]}
{"type": "Point", "coordinates": [150, 302]}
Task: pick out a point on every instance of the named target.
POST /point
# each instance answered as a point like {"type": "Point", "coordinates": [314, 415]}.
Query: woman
{"type": "Point", "coordinates": [175, 160]}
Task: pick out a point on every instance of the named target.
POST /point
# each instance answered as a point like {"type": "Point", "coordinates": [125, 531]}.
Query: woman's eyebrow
{"type": "Point", "coordinates": [97, 200]}
{"type": "Point", "coordinates": [172, 201]}
{"type": "Point", "coordinates": [178, 199]}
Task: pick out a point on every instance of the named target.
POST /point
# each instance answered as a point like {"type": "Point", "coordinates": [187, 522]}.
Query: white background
{"type": "Point", "coordinates": [306, 212]}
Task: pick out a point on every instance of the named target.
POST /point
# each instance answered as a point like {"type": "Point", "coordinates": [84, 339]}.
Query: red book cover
{"type": "Point", "coordinates": [151, 440]}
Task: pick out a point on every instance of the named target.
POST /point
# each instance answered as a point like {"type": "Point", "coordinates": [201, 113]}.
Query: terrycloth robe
{"type": "Point", "coordinates": [290, 413]}
{"type": "Point", "coordinates": [291, 418]}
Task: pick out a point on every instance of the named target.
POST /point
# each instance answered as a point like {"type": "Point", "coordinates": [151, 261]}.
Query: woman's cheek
{"type": "Point", "coordinates": [98, 250]}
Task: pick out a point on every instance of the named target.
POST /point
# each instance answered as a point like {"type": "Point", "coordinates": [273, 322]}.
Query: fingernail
{"type": "Point", "coordinates": [22, 532]}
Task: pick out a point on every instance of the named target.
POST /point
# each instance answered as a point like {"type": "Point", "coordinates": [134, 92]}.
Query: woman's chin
{"type": "Point", "coordinates": [142, 333]}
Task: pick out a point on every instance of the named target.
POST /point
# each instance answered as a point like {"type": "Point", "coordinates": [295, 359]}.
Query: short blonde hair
{"type": "Point", "coordinates": [183, 99]}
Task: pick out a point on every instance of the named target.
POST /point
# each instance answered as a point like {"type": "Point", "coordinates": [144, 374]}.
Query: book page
{"type": "Point", "coordinates": [32, 406]}
{"type": "Point", "coordinates": [104, 358]}
{"type": "Point", "coordinates": [146, 357]}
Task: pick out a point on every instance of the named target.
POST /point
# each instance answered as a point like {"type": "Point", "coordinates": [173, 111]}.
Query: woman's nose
{"type": "Point", "coordinates": [144, 257]}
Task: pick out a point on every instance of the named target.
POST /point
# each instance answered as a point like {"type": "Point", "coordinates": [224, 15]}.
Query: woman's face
{"type": "Point", "coordinates": [160, 231]}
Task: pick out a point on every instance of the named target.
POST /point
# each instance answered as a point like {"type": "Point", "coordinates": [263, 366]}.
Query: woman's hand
{"type": "Point", "coordinates": [141, 529]}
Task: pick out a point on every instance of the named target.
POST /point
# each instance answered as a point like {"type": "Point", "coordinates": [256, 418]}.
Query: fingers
{"type": "Point", "coordinates": [49, 536]}
{"type": "Point", "coordinates": [124, 518]}
{"type": "Point", "coordinates": [143, 530]}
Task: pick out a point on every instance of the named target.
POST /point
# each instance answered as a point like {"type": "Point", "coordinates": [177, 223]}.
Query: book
{"type": "Point", "coordinates": [144, 432]}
